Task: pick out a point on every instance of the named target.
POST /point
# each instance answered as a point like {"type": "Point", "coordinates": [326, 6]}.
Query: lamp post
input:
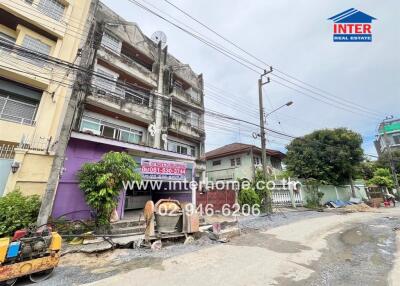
{"type": "Point", "coordinates": [280, 107]}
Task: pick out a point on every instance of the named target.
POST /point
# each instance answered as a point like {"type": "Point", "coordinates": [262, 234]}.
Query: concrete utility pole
{"type": "Point", "coordinates": [158, 100]}
{"type": "Point", "coordinates": [268, 198]}
{"type": "Point", "coordinates": [391, 162]}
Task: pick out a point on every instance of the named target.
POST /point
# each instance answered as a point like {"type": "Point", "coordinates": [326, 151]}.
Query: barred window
{"type": "Point", "coordinates": [110, 42]}
{"type": "Point", "coordinates": [17, 110]}
{"type": "Point", "coordinates": [52, 8]}
{"type": "Point", "coordinates": [6, 38]}
{"type": "Point", "coordinates": [106, 79]}
{"type": "Point", "coordinates": [37, 46]}
{"type": "Point", "coordinates": [195, 119]}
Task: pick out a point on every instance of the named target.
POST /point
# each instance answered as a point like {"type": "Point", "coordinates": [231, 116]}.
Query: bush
{"type": "Point", "coordinates": [102, 183]}
{"type": "Point", "coordinates": [17, 212]}
{"type": "Point", "coordinates": [248, 196]}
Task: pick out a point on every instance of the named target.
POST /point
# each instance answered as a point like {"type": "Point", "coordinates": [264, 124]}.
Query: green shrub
{"type": "Point", "coordinates": [102, 182]}
{"type": "Point", "coordinates": [17, 212]}
{"type": "Point", "coordinates": [248, 196]}
{"type": "Point", "coordinates": [314, 196]}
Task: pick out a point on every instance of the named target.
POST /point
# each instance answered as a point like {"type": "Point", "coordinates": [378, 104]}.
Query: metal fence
{"type": "Point", "coordinates": [7, 151]}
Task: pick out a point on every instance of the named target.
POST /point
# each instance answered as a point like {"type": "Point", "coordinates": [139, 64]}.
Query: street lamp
{"type": "Point", "coordinates": [286, 104]}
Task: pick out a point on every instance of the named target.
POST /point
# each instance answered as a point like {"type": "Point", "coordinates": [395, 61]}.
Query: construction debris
{"type": "Point", "coordinates": [359, 208]}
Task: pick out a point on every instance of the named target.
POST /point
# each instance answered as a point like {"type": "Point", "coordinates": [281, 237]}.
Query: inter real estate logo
{"type": "Point", "coordinates": [352, 26]}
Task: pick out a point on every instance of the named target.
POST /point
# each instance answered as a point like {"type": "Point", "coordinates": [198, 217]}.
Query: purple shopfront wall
{"type": "Point", "coordinates": [69, 200]}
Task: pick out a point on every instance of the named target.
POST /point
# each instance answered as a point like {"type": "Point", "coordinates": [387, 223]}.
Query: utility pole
{"type": "Point", "coordinates": [267, 198]}
{"type": "Point", "coordinates": [391, 162]}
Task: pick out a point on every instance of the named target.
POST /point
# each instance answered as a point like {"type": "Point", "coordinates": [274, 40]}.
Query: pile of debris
{"type": "Point", "coordinates": [359, 208]}
{"type": "Point", "coordinates": [352, 206]}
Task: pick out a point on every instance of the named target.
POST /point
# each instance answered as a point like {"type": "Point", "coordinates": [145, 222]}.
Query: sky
{"type": "Point", "coordinates": [295, 37]}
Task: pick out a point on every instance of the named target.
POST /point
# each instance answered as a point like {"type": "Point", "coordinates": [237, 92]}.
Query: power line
{"type": "Point", "coordinates": [260, 60]}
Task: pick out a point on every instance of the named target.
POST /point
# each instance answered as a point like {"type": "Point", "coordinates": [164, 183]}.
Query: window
{"type": "Point", "coordinates": [37, 46]}
{"type": "Point", "coordinates": [181, 150]}
{"type": "Point", "coordinates": [91, 125]}
{"type": "Point", "coordinates": [194, 95]}
{"type": "Point", "coordinates": [235, 162]}
{"type": "Point", "coordinates": [108, 130]}
{"type": "Point", "coordinates": [194, 119]}
{"type": "Point", "coordinates": [52, 8]}
{"type": "Point", "coordinates": [396, 139]}
{"type": "Point", "coordinates": [111, 42]}
{"type": "Point", "coordinates": [6, 38]}
{"type": "Point", "coordinates": [216, 163]}
{"type": "Point", "coordinates": [130, 136]}
{"type": "Point", "coordinates": [106, 80]}
{"type": "Point", "coordinates": [17, 110]}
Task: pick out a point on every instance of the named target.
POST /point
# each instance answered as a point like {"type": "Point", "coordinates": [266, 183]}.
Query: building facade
{"type": "Point", "coordinates": [240, 161]}
{"type": "Point", "coordinates": [388, 135]}
{"type": "Point", "coordinates": [141, 100]}
{"type": "Point", "coordinates": [39, 39]}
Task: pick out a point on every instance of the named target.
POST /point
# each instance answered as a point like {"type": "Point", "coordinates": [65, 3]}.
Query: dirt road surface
{"type": "Point", "coordinates": [351, 249]}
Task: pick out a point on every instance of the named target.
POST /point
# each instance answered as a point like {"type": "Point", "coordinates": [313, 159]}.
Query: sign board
{"type": "Point", "coordinates": [152, 169]}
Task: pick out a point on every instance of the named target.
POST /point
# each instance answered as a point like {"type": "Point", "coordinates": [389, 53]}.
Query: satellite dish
{"type": "Point", "coordinates": [159, 37]}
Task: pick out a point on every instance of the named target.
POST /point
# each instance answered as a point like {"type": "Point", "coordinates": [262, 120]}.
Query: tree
{"type": "Point", "coordinates": [384, 161]}
{"type": "Point", "coordinates": [327, 156]}
{"type": "Point", "coordinates": [366, 170]}
{"type": "Point", "coordinates": [382, 178]}
{"type": "Point", "coordinates": [102, 182]}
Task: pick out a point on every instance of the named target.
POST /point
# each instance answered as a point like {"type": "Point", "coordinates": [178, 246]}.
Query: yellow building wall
{"type": "Point", "coordinates": [32, 176]}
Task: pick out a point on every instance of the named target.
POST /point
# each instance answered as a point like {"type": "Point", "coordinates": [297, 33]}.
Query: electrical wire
{"type": "Point", "coordinates": [262, 61]}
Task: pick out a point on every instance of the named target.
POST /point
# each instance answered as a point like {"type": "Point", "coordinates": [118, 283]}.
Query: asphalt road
{"type": "Point", "coordinates": [305, 248]}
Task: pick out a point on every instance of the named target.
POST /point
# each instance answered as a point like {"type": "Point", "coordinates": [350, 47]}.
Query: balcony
{"type": "Point", "coordinates": [184, 97]}
{"type": "Point", "coordinates": [123, 100]}
{"type": "Point", "coordinates": [42, 13]}
{"type": "Point", "coordinates": [128, 66]}
{"type": "Point", "coordinates": [182, 125]}
{"type": "Point", "coordinates": [30, 71]}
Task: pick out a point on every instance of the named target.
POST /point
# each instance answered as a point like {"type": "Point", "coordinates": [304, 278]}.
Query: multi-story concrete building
{"type": "Point", "coordinates": [140, 100]}
{"type": "Point", "coordinates": [240, 161]}
{"type": "Point", "coordinates": [34, 88]}
{"type": "Point", "coordinates": [392, 131]}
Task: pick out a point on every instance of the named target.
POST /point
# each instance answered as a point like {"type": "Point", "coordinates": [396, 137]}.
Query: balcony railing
{"type": "Point", "coordinates": [185, 96]}
{"type": "Point", "coordinates": [123, 94]}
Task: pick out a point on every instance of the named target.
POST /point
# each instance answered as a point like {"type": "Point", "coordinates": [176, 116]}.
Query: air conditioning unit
{"type": "Point", "coordinates": [91, 131]}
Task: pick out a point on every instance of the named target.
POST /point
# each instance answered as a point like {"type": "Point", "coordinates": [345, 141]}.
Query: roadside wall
{"type": "Point", "coordinates": [333, 193]}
